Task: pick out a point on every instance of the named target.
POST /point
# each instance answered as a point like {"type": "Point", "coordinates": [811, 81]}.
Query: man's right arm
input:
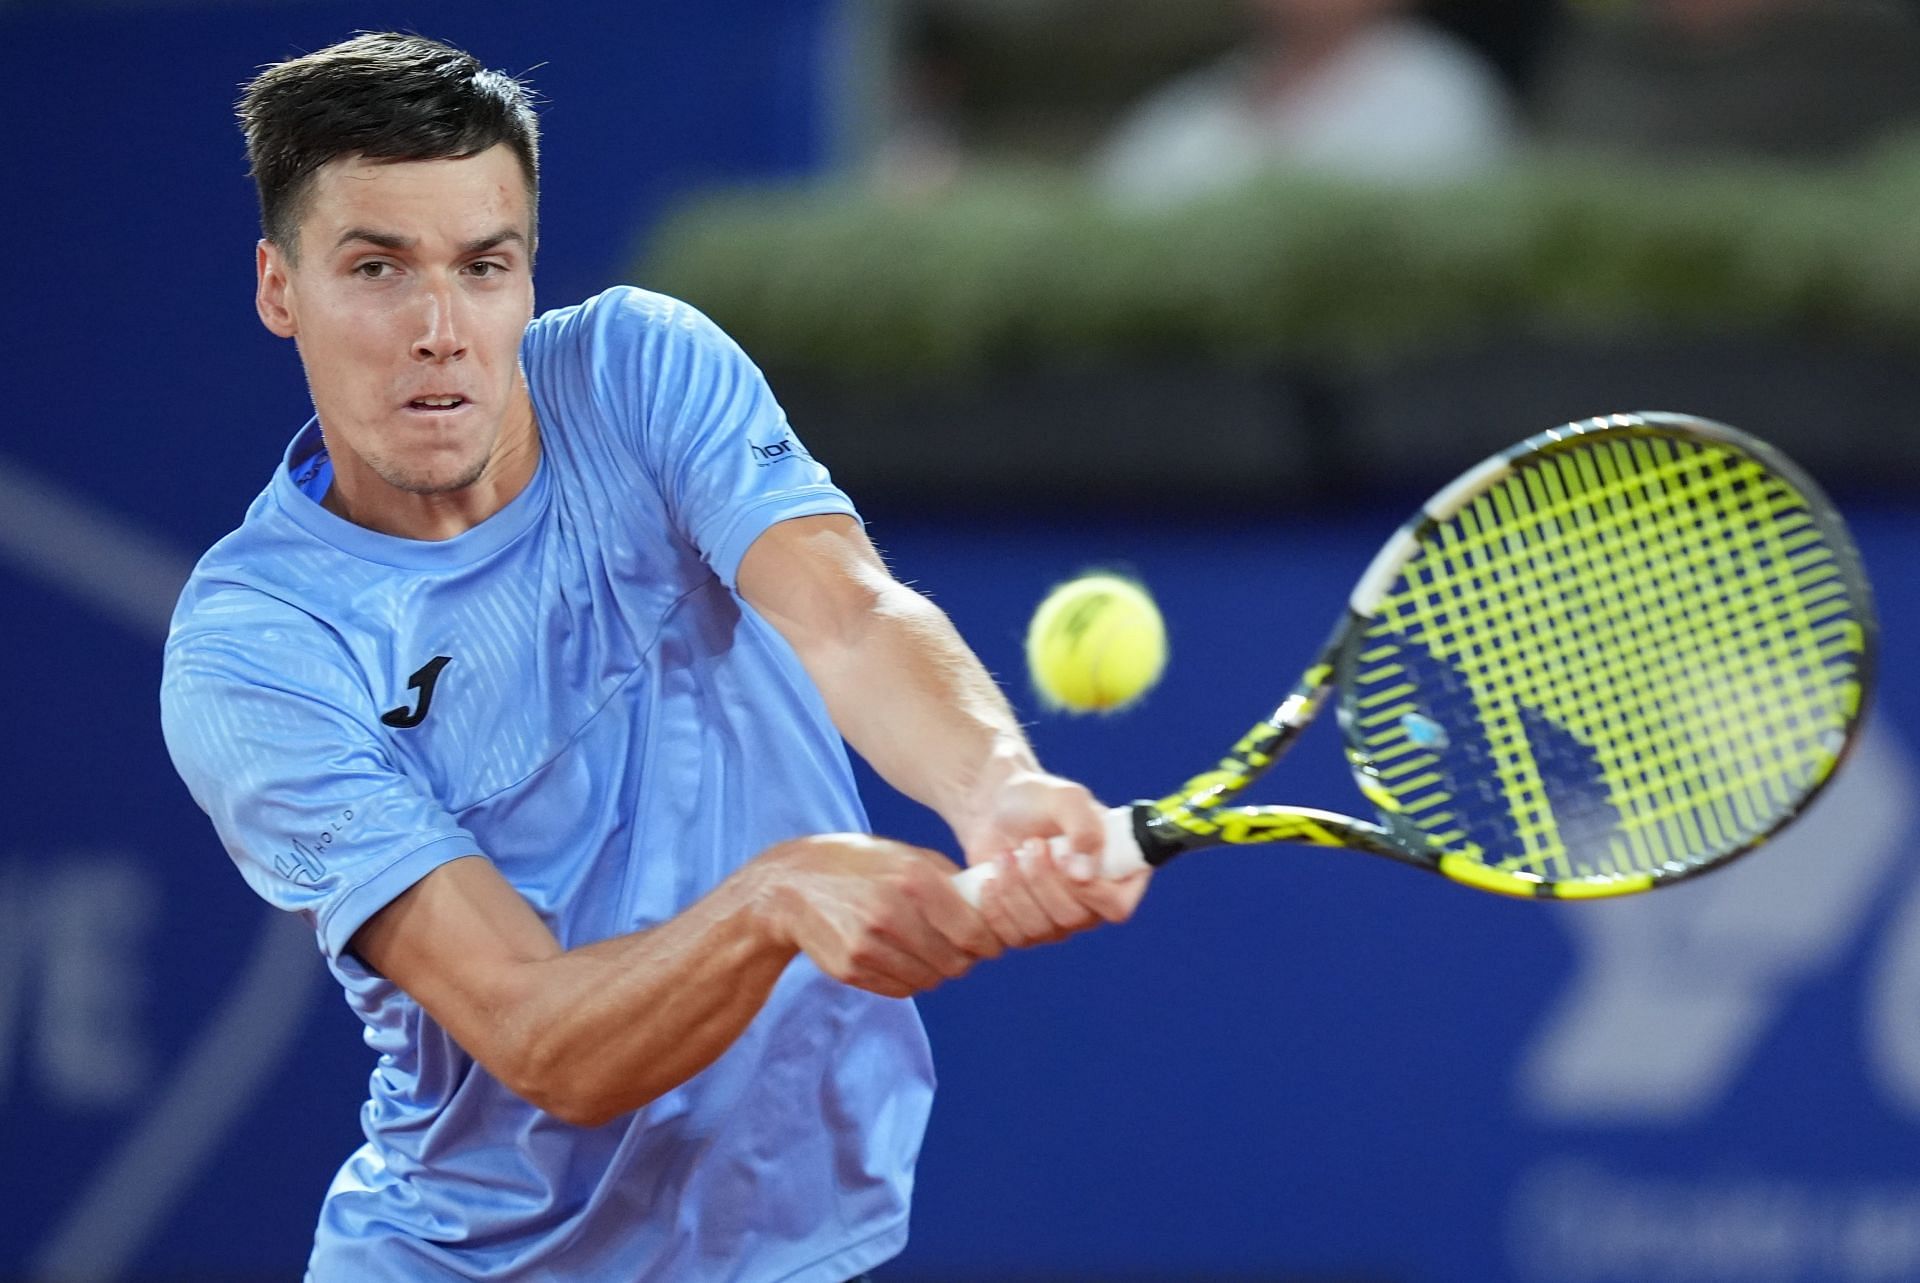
{"type": "Point", "coordinates": [593, 1032]}
{"type": "Point", "coordinates": [269, 725]}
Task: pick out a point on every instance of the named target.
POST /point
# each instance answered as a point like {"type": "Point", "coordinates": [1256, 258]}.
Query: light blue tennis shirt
{"type": "Point", "coordinates": [572, 690]}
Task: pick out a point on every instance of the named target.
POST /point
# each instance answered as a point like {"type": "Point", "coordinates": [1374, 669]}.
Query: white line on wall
{"type": "Point", "coordinates": [133, 579]}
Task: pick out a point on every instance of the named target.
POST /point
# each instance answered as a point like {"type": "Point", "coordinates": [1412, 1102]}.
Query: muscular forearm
{"type": "Point", "coordinates": [912, 699]}
{"type": "Point", "coordinates": [609, 1026]}
{"type": "Point", "coordinates": [591, 1032]}
{"type": "Point", "coordinates": [907, 693]}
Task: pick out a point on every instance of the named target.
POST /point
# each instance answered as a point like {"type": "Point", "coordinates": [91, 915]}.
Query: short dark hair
{"type": "Point", "coordinates": [383, 95]}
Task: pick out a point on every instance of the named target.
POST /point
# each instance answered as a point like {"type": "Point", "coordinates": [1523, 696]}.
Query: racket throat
{"type": "Point", "coordinates": [1158, 837]}
{"type": "Point", "coordinates": [1162, 835]}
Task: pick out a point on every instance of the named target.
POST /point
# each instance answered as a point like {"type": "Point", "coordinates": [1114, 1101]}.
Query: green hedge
{"type": "Point", "coordinates": [1035, 268]}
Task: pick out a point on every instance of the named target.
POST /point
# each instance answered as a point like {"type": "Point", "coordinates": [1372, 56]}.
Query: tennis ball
{"type": "Point", "coordinates": [1096, 644]}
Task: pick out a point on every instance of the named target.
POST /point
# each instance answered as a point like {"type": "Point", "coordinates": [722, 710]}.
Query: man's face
{"type": "Point", "coordinates": [1286, 16]}
{"type": "Point", "coordinates": [413, 287]}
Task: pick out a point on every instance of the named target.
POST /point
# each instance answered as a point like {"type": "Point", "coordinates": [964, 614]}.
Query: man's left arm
{"type": "Point", "coordinates": [913, 700]}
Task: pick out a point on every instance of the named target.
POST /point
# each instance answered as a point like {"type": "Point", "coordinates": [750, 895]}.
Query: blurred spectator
{"type": "Point", "coordinates": [1359, 88]}
{"type": "Point", "coordinates": [922, 147]}
{"type": "Point", "coordinates": [1789, 78]}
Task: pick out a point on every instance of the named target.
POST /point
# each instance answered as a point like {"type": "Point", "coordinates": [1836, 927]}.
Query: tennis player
{"type": "Point", "coordinates": [524, 681]}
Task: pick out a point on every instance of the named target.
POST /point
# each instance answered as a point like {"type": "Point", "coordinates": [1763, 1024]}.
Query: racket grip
{"type": "Point", "coordinates": [1119, 856]}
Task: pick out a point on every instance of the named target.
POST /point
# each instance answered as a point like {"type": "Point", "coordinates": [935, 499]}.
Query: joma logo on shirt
{"type": "Point", "coordinates": [786, 447]}
{"type": "Point", "coordinates": [406, 718]}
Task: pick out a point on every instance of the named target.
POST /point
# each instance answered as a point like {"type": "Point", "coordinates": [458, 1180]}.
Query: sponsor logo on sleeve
{"type": "Point", "coordinates": [787, 447]}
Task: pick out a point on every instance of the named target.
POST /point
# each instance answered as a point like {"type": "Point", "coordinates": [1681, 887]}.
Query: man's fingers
{"type": "Point", "coordinates": [884, 915]}
{"type": "Point", "coordinates": [877, 964]}
{"type": "Point", "coordinates": [956, 923]}
{"type": "Point", "coordinates": [1038, 914]}
{"type": "Point", "coordinates": [1115, 901]}
{"type": "Point", "coordinates": [913, 923]}
{"type": "Point", "coordinates": [1057, 895]}
{"type": "Point", "coordinates": [1082, 822]}
{"type": "Point", "coordinates": [1009, 909]}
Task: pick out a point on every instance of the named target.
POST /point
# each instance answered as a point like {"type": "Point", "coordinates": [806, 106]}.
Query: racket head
{"type": "Point", "coordinates": [1614, 656]}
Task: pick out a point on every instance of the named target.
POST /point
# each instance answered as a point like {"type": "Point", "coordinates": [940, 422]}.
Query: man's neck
{"type": "Point", "coordinates": [359, 496]}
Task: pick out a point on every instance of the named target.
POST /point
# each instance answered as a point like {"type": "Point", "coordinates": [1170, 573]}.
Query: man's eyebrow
{"type": "Point", "coordinates": [397, 243]}
{"type": "Point", "coordinates": [495, 241]}
{"type": "Point", "coordinates": [385, 240]}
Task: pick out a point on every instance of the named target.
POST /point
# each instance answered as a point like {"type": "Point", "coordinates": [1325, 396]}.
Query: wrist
{"type": "Point", "coordinates": [978, 804]}
{"type": "Point", "coordinates": [765, 908]}
{"type": "Point", "coordinates": [1008, 757]}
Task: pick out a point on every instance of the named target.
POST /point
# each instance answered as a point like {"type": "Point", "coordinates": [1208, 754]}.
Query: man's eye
{"type": "Point", "coordinates": [486, 268]}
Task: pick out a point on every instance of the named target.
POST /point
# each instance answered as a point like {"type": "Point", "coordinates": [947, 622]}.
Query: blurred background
{"type": "Point", "coordinates": [1207, 290]}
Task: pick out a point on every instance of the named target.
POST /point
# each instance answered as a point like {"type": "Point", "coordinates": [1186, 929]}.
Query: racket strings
{"type": "Point", "coordinates": [1653, 642]}
{"type": "Point", "coordinates": [1694, 792]}
{"type": "Point", "coordinates": [1658, 771]}
{"type": "Point", "coordinates": [1663, 762]}
{"type": "Point", "coordinates": [1763, 737]}
{"type": "Point", "coordinates": [1665, 777]}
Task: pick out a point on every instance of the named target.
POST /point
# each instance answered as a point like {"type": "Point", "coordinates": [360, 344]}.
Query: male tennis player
{"type": "Point", "coordinates": [521, 681]}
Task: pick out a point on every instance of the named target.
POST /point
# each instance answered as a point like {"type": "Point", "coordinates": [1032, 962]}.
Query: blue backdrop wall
{"type": "Point", "coordinates": [1292, 1065]}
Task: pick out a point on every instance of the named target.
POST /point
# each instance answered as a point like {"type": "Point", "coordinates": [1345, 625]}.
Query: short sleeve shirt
{"type": "Point", "coordinates": [572, 691]}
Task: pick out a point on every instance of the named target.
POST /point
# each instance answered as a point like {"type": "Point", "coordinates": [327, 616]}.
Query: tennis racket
{"type": "Point", "coordinates": [1612, 657]}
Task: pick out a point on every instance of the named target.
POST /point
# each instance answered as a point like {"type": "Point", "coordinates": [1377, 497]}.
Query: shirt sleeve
{"type": "Point", "coordinates": [706, 426]}
{"type": "Point", "coordinates": [274, 742]}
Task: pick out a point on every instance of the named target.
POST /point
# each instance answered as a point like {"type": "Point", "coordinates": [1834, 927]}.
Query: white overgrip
{"type": "Point", "coordinates": [1119, 856]}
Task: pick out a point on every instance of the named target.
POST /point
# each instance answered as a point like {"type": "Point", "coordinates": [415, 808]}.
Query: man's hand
{"type": "Point", "coordinates": [873, 913]}
{"type": "Point", "coordinates": [915, 702]}
{"type": "Point", "coordinates": [1038, 895]}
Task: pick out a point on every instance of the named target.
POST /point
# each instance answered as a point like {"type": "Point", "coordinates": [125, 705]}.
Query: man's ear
{"type": "Point", "coordinates": [273, 289]}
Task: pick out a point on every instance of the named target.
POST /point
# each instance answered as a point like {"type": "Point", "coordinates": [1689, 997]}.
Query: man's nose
{"type": "Point", "coordinates": [442, 333]}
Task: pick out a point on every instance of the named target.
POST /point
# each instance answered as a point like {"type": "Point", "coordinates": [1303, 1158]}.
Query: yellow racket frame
{"type": "Point", "coordinates": [1672, 595]}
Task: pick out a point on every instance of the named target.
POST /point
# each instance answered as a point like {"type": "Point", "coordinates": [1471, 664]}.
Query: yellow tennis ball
{"type": "Point", "coordinates": [1097, 643]}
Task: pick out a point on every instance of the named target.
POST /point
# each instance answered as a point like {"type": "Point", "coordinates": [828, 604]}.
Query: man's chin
{"type": "Point", "coordinates": [430, 484]}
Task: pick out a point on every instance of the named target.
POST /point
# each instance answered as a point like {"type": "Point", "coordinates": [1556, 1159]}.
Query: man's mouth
{"type": "Point", "coordinates": [433, 403]}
